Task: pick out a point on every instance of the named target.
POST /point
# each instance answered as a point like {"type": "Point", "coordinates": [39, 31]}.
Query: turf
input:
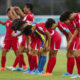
{"type": "Point", "coordinates": [59, 69]}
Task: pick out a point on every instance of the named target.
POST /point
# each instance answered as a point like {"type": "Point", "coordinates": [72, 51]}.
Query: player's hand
{"type": "Point", "coordinates": [47, 48]}
{"type": "Point", "coordinates": [41, 50]}
{"type": "Point", "coordinates": [14, 34]}
{"type": "Point", "coordinates": [12, 8]}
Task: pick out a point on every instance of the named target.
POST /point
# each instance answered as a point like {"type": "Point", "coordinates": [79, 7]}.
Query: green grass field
{"type": "Point", "coordinates": [59, 69]}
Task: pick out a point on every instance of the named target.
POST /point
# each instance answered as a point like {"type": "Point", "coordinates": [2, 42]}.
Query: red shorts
{"type": "Point", "coordinates": [55, 41]}
{"type": "Point", "coordinates": [35, 43]}
{"type": "Point", "coordinates": [74, 44]}
{"type": "Point", "coordinates": [11, 44]}
{"type": "Point", "coordinates": [23, 43]}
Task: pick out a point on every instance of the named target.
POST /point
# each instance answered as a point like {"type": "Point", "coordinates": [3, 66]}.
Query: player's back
{"type": "Point", "coordinates": [41, 27]}
{"type": "Point", "coordinates": [63, 27]}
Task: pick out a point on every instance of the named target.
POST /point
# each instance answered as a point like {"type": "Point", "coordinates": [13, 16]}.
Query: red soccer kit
{"type": "Point", "coordinates": [55, 39]}
{"type": "Point", "coordinates": [10, 41]}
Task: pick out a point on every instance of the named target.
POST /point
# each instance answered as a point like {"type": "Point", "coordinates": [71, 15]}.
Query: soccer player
{"type": "Point", "coordinates": [9, 41]}
{"type": "Point", "coordinates": [54, 47]}
{"type": "Point", "coordinates": [27, 16]}
{"type": "Point", "coordinates": [29, 30]}
{"type": "Point", "coordinates": [69, 17]}
{"type": "Point", "coordinates": [70, 57]}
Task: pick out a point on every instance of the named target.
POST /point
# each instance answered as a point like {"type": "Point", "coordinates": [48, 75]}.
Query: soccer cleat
{"type": "Point", "coordinates": [67, 74]}
{"type": "Point", "coordinates": [2, 69]}
{"type": "Point", "coordinates": [44, 74]}
{"type": "Point", "coordinates": [75, 76]}
{"type": "Point", "coordinates": [37, 72]}
{"type": "Point", "coordinates": [50, 74]}
{"type": "Point", "coordinates": [28, 71]}
{"type": "Point", "coordinates": [18, 69]}
{"type": "Point", "coordinates": [9, 67]}
{"type": "Point", "coordinates": [25, 68]}
{"type": "Point", "coordinates": [47, 74]}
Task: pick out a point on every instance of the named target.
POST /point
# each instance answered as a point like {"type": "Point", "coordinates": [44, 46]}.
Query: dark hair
{"type": "Point", "coordinates": [17, 24]}
{"type": "Point", "coordinates": [29, 5]}
{"type": "Point", "coordinates": [65, 15]}
{"type": "Point", "coordinates": [8, 10]}
{"type": "Point", "coordinates": [49, 22]}
{"type": "Point", "coordinates": [27, 30]}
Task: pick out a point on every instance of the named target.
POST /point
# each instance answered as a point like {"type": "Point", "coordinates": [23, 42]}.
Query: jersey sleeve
{"type": "Point", "coordinates": [64, 27]}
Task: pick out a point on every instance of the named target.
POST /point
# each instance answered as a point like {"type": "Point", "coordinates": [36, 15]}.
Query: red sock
{"type": "Point", "coordinates": [35, 59]}
{"type": "Point", "coordinates": [23, 62]}
{"type": "Point", "coordinates": [29, 59]}
{"type": "Point", "coordinates": [16, 61]}
{"type": "Point", "coordinates": [70, 64]}
{"type": "Point", "coordinates": [78, 64]}
{"type": "Point", "coordinates": [3, 61]}
{"type": "Point", "coordinates": [48, 65]}
{"type": "Point", "coordinates": [51, 64]}
{"type": "Point", "coordinates": [20, 60]}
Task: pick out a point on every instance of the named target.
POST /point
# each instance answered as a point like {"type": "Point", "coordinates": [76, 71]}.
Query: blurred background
{"type": "Point", "coordinates": [43, 9]}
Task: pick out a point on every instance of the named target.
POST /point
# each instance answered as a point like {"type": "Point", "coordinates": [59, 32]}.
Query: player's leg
{"type": "Point", "coordinates": [41, 63]}
{"type": "Point", "coordinates": [4, 52]}
{"type": "Point", "coordinates": [33, 58]}
{"type": "Point", "coordinates": [42, 60]}
{"type": "Point", "coordinates": [51, 62]}
{"type": "Point", "coordinates": [70, 63]}
{"type": "Point", "coordinates": [54, 47]}
{"type": "Point", "coordinates": [70, 58]}
{"type": "Point", "coordinates": [19, 56]}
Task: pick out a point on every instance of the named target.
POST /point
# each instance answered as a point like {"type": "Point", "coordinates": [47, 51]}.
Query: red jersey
{"type": "Point", "coordinates": [9, 31]}
{"type": "Point", "coordinates": [53, 33]}
{"type": "Point", "coordinates": [63, 27]}
{"type": "Point", "coordinates": [29, 17]}
{"type": "Point", "coordinates": [40, 27]}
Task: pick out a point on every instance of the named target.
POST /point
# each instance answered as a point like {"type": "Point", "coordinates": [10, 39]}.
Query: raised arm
{"type": "Point", "coordinates": [13, 13]}
{"type": "Point", "coordinates": [1, 22]}
{"type": "Point", "coordinates": [19, 12]}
